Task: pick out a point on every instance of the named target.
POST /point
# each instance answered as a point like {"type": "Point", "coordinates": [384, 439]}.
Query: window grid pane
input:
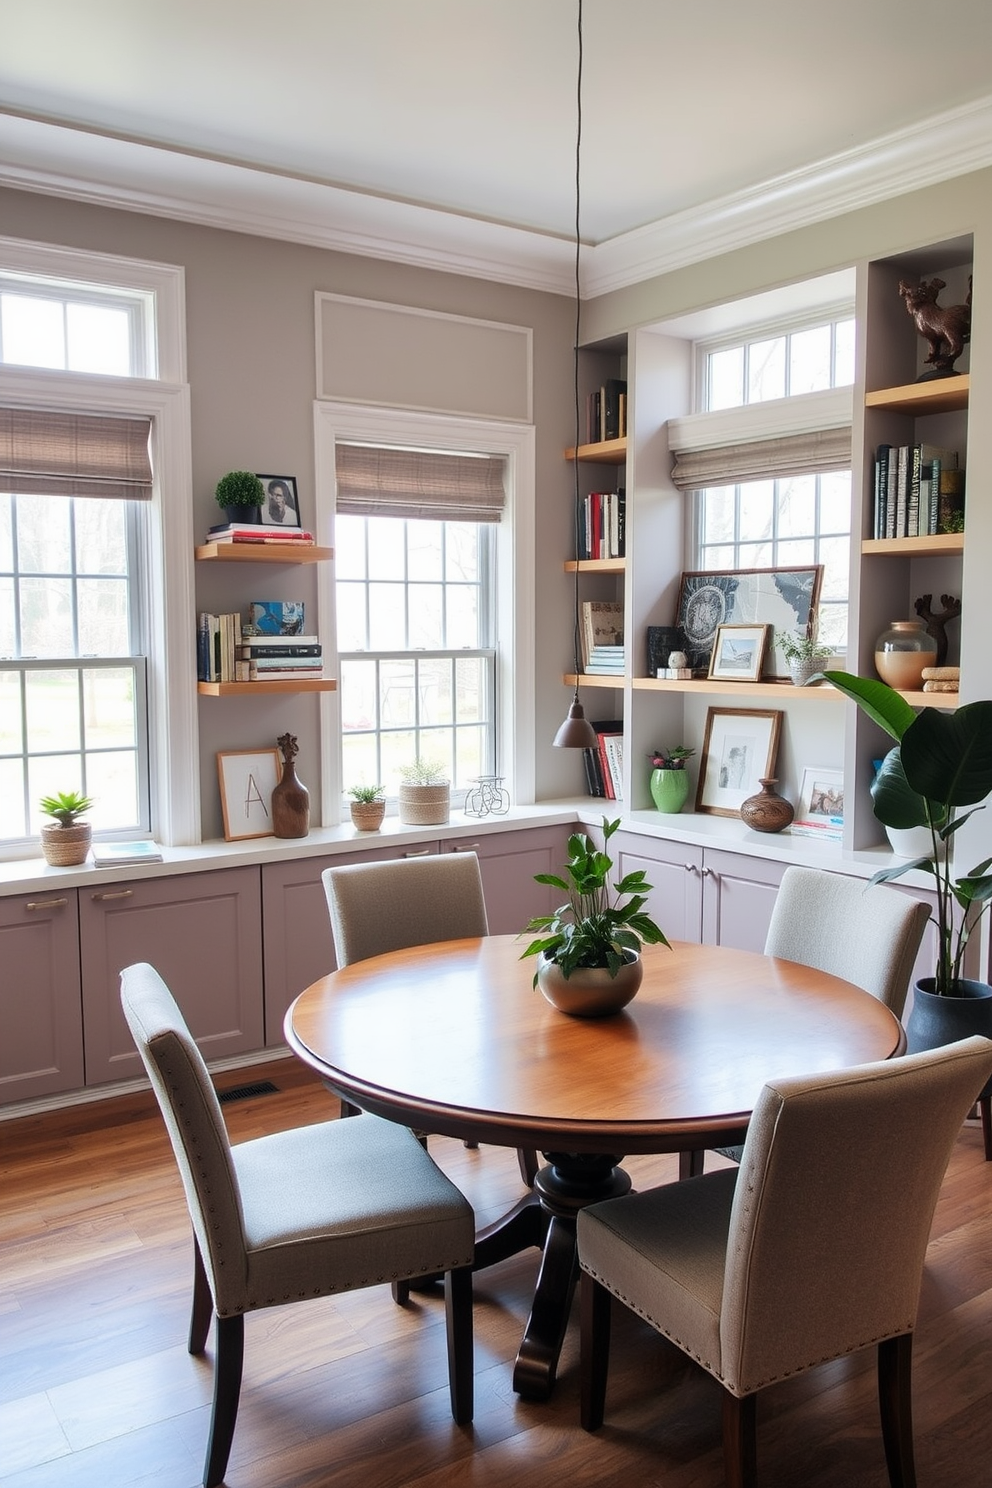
{"type": "Point", "coordinates": [808, 359]}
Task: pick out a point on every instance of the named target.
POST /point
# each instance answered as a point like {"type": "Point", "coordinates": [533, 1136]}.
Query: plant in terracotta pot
{"type": "Point", "coordinates": [241, 495]}
{"type": "Point", "coordinates": [589, 950]}
{"type": "Point", "coordinates": [425, 793]}
{"type": "Point", "coordinates": [669, 783]}
{"type": "Point", "coordinates": [65, 840]}
{"type": "Point", "coordinates": [803, 654]}
{"type": "Point", "coordinates": [368, 807]}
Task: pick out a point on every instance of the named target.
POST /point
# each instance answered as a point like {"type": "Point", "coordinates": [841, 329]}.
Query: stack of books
{"type": "Point", "coordinates": [604, 764]}
{"type": "Point", "coordinates": [606, 411]}
{"type": "Point", "coordinates": [274, 646]}
{"type": "Point", "coordinates": [918, 490]}
{"type": "Point", "coordinates": [606, 661]}
{"type": "Point", "coordinates": [602, 525]}
{"type": "Point", "coordinates": [602, 633]}
{"type": "Point", "coordinates": [247, 532]}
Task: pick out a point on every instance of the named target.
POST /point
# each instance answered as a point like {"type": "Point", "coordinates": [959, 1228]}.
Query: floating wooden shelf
{"type": "Point", "coordinates": [283, 684]}
{"type": "Point", "coordinates": [592, 679]}
{"type": "Point", "coordinates": [290, 552]}
{"type": "Point", "coordinates": [784, 691]}
{"type": "Point", "coordinates": [596, 565]}
{"type": "Point", "coordinates": [918, 547]}
{"type": "Point", "coordinates": [943, 395]}
{"type": "Point", "coordinates": [606, 452]}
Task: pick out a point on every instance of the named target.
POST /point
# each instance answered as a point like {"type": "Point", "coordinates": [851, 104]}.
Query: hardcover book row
{"type": "Point", "coordinates": [919, 491]}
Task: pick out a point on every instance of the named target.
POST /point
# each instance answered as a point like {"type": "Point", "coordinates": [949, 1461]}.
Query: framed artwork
{"type": "Point", "coordinates": [820, 810]}
{"type": "Point", "coordinates": [247, 779]}
{"type": "Point", "coordinates": [738, 653]}
{"type": "Point", "coordinates": [281, 508]}
{"type": "Point", "coordinates": [783, 598]}
{"type": "Point", "coordinates": [739, 751]}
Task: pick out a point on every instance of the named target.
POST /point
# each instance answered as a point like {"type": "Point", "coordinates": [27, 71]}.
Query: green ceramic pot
{"type": "Point", "coordinates": [669, 789]}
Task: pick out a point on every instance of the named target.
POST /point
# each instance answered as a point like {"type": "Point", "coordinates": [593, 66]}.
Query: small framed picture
{"type": "Point", "coordinates": [739, 751]}
{"type": "Point", "coordinates": [247, 779]}
{"type": "Point", "coordinates": [738, 653]}
{"type": "Point", "coordinates": [280, 507]}
{"type": "Point", "coordinates": [820, 811]}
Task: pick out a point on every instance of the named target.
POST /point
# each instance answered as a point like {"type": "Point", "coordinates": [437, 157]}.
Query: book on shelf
{"type": "Point", "coordinates": [593, 758]}
{"type": "Point", "coordinates": [265, 536]}
{"type": "Point", "coordinates": [602, 524]}
{"type": "Point", "coordinates": [285, 663]}
{"type": "Point", "coordinates": [217, 640]}
{"type": "Point", "coordinates": [907, 489]}
{"type": "Point", "coordinates": [278, 674]}
{"type": "Point", "coordinates": [613, 422]}
{"type": "Point", "coordinates": [276, 617]}
{"type": "Point", "coordinates": [606, 659]}
{"type": "Point", "coordinates": [250, 651]}
{"type": "Point", "coordinates": [114, 854]}
{"type": "Point", "coordinates": [602, 625]}
{"type": "Point", "coordinates": [881, 487]}
{"type": "Point", "coordinates": [613, 745]}
{"type": "Point", "coordinates": [277, 645]}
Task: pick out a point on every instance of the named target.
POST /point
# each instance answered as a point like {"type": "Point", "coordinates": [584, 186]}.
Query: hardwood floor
{"type": "Point", "coordinates": [97, 1390]}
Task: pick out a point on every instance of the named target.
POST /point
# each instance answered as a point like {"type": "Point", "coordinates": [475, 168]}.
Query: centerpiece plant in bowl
{"type": "Point", "coordinates": [589, 961]}
{"type": "Point", "coordinates": [669, 783]}
{"type": "Point", "coordinates": [65, 840]}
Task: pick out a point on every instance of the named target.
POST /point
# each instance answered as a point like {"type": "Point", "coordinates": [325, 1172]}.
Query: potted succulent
{"type": "Point", "coordinates": [425, 793]}
{"type": "Point", "coordinates": [65, 840]}
{"type": "Point", "coordinates": [937, 775]}
{"type": "Point", "coordinates": [803, 653]}
{"type": "Point", "coordinates": [669, 781]}
{"type": "Point", "coordinates": [241, 495]}
{"type": "Point", "coordinates": [588, 951]}
{"type": "Point", "coordinates": [368, 807]}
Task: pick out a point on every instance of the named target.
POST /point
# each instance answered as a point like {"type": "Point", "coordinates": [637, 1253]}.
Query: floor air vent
{"type": "Point", "coordinates": [244, 1092]}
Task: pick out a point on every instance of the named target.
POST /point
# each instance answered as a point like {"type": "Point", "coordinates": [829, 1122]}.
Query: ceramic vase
{"type": "Point", "coordinates": [590, 992]}
{"type": "Point", "coordinates": [902, 651]}
{"type": "Point", "coordinates": [767, 811]}
{"type": "Point", "coordinates": [669, 789]}
{"type": "Point", "coordinates": [290, 804]}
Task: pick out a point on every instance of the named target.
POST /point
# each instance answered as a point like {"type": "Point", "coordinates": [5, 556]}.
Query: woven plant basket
{"type": "Point", "coordinates": [64, 847]}
{"type": "Point", "coordinates": [424, 805]}
{"type": "Point", "coordinates": [367, 816]}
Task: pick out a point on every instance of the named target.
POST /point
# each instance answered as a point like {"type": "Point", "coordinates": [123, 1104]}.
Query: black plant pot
{"type": "Point", "coordinates": [242, 513]}
{"type": "Point", "coordinates": [934, 1020]}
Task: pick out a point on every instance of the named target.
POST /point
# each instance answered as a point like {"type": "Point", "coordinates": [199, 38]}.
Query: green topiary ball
{"type": "Point", "coordinates": [240, 488]}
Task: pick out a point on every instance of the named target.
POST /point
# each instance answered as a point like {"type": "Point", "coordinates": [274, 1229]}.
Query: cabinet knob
{"type": "Point", "coordinates": [45, 903]}
{"type": "Point", "coordinates": [116, 894]}
{"type": "Point", "coordinates": [690, 867]}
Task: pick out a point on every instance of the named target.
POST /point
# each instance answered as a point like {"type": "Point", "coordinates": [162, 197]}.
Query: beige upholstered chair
{"type": "Point", "coordinates": [298, 1214]}
{"type": "Point", "coordinates": [868, 936]}
{"type": "Point", "coordinates": [813, 1249]}
{"type": "Point", "coordinates": [380, 907]}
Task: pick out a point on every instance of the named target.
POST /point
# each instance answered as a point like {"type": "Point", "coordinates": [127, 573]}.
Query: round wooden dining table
{"type": "Point", "coordinates": [452, 1038]}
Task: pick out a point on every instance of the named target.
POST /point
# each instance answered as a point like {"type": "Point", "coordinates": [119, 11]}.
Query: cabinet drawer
{"type": "Point", "coordinates": [41, 1043]}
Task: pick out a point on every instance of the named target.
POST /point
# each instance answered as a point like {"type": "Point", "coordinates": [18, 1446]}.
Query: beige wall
{"type": "Point", "coordinates": [250, 330]}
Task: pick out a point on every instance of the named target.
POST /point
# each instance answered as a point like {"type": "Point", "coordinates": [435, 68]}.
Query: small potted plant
{"type": "Point", "coordinates": [425, 793]}
{"type": "Point", "coordinates": [804, 655]}
{"type": "Point", "coordinates": [65, 840]}
{"type": "Point", "coordinates": [241, 495]}
{"type": "Point", "coordinates": [368, 807]}
{"type": "Point", "coordinates": [669, 781]}
{"type": "Point", "coordinates": [589, 961]}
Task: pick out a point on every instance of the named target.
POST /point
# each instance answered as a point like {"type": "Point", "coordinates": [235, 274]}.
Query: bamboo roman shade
{"type": "Point", "coordinates": [377, 482]}
{"type": "Point", "coordinates": [762, 459]}
{"type": "Point", "coordinates": [47, 453]}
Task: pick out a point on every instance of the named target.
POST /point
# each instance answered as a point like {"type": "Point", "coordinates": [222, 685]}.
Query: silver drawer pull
{"type": "Point", "coordinates": [467, 847]}
{"type": "Point", "coordinates": [46, 903]}
{"type": "Point", "coordinates": [117, 894]}
{"type": "Point", "coordinates": [419, 852]}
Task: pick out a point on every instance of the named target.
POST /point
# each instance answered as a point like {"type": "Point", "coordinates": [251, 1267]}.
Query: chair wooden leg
{"type": "Point", "coordinates": [895, 1401]}
{"type": "Point", "coordinates": [458, 1324]}
{"type": "Point", "coordinates": [227, 1393]}
{"type": "Point", "coordinates": [740, 1442]}
{"type": "Point", "coordinates": [691, 1164]}
{"type": "Point", "coordinates": [401, 1292]}
{"type": "Point", "coordinates": [202, 1309]}
{"type": "Point", "coordinates": [985, 1106]}
{"type": "Point", "coordinates": [595, 1304]}
{"type": "Point", "coordinates": [528, 1162]}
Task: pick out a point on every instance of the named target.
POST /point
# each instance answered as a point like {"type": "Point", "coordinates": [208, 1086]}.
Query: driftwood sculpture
{"type": "Point", "coordinates": [937, 623]}
{"type": "Point", "coordinates": [945, 328]}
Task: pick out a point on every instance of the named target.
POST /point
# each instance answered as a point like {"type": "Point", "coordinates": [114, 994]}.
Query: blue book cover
{"type": "Point", "coordinates": [276, 616]}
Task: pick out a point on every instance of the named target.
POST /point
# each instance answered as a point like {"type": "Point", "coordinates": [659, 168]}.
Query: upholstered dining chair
{"type": "Point", "coordinates": [302, 1213]}
{"type": "Point", "coordinates": [811, 1250]}
{"type": "Point", "coordinates": [380, 907]}
{"type": "Point", "coordinates": [868, 936]}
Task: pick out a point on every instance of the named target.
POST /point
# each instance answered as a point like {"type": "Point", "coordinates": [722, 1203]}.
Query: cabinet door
{"type": "Point", "coordinates": [673, 871]}
{"type": "Point", "coordinates": [738, 898]}
{"type": "Point", "coordinates": [203, 933]}
{"type": "Point", "coordinates": [298, 943]}
{"type": "Point", "coordinates": [508, 862]}
{"type": "Point", "coordinates": [41, 1042]}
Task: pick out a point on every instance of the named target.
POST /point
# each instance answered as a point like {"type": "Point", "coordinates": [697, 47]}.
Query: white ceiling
{"type": "Point", "coordinates": [444, 130]}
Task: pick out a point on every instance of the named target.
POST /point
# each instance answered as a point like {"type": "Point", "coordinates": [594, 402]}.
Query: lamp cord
{"type": "Point", "coordinates": [575, 356]}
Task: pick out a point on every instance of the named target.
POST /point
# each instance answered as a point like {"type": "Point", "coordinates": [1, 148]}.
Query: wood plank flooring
{"type": "Point", "coordinates": [97, 1390]}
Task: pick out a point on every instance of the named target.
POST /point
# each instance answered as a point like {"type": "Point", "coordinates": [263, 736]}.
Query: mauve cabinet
{"type": "Point", "coordinates": [202, 932]}
{"type": "Point", "coordinates": [41, 1026]}
{"type": "Point", "coordinates": [508, 862]}
{"type": "Point", "coordinates": [700, 894]}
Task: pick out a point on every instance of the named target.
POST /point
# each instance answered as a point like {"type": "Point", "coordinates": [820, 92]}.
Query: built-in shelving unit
{"type": "Point", "coordinates": [606, 452]}
{"type": "Point", "coordinates": [597, 565]}
{"type": "Point", "coordinates": [943, 395]}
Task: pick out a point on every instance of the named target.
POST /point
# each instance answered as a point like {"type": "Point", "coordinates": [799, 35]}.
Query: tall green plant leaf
{"type": "Point", "coordinates": [895, 803]}
{"type": "Point", "coordinates": [948, 756]}
{"type": "Point", "coordinates": [883, 704]}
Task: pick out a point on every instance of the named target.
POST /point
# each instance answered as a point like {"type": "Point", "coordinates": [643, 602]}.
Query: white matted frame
{"type": "Point", "coordinates": [738, 653]}
{"type": "Point", "coordinates": [820, 811]}
{"type": "Point", "coordinates": [247, 779]}
{"type": "Point", "coordinates": [739, 751]}
{"type": "Point", "coordinates": [281, 507]}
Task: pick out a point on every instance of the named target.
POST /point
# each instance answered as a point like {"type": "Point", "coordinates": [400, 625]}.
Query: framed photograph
{"type": "Point", "coordinates": [281, 508]}
{"type": "Point", "coordinates": [783, 598]}
{"type": "Point", "coordinates": [739, 652]}
{"type": "Point", "coordinates": [247, 779]}
{"type": "Point", "coordinates": [820, 810]}
{"type": "Point", "coordinates": [739, 751]}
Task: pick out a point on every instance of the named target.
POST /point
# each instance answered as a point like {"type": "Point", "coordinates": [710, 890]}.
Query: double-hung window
{"type": "Point", "coordinates": [415, 555]}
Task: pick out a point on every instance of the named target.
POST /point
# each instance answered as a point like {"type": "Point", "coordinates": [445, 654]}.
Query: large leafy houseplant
{"type": "Point", "coordinates": [594, 927]}
{"type": "Point", "coordinates": [937, 776]}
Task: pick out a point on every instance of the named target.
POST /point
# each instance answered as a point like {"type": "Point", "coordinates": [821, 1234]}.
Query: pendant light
{"type": "Point", "coordinates": [576, 731]}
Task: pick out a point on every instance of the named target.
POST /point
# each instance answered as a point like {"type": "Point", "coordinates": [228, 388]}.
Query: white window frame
{"type": "Point", "coordinates": [766, 330]}
{"type": "Point", "coordinates": [336, 422]}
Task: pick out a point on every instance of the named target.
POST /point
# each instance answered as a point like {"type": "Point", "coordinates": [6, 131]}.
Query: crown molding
{"type": "Point", "coordinates": [58, 160]}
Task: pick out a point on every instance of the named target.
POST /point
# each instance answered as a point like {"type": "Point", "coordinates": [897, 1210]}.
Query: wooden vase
{"type": "Point", "coordinates": [767, 811]}
{"type": "Point", "coordinates": [290, 804]}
